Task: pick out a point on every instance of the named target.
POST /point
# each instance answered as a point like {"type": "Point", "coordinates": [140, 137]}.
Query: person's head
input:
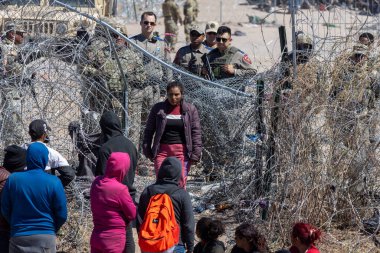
{"type": "Point", "coordinates": [359, 54]}
{"type": "Point", "coordinates": [37, 156]}
{"type": "Point", "coordinates": [211, 30]}
{"type": "Point", "coordinates": [249, 239]}
{"type": "Point", "coordinates": [304, 42]}
{"type": "Point", "coordinates": [223, 38]}
{"type": "Point", "coordinates": [14, 32]}
{"type": "Point", "coordinates": [366, 38]}
{"type": "Point", "coordinates": [118, 165]}
{"type": "Point", "coordinates": [304, 235]}
{"type": "Point", "coordinates": [39, 130]}
{"type": "Point", "coordinates": [174, 93]}
{"type": "Point", "coordinates": [208, 229]}
{"type": "Point", "coordinates": [197, 36]}
{"type": "Point", "coordinates": [110, 125]}
{"type": "Point", "coordinates": [120, 41]}
{"type": "Point", "coordinates": [14, 158]}
{"type": "Point", "coordinates": [170, 171]}
{"type": "Point", "coordinates": [148, 22]}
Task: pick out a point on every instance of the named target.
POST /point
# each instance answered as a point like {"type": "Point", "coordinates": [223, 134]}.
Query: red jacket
{"type": "Point", "coordinates": [312, 249]}
{"type": "Point", "coordinates": [156, 126]}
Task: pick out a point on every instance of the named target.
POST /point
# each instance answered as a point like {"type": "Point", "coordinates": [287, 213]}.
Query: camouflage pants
{"type": "Point", "coordinates": [139, 104]}
{"type": "Point", "coordinates": [187, 26]}
{"type": "Point", "coordinates": [171, 30]}
{"type": "Point", "coordinates": [11, 121]}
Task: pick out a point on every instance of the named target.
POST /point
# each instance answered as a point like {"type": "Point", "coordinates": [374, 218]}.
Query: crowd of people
{"type": "Point", "coordinates": [33, 201]}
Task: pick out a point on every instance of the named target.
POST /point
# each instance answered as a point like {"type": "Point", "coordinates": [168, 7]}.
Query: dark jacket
{"type": "Point", "coordinates": [236, 249]}
{"type": "Point", "coordinates": [156, 126]}
{"type": "Point", "coordinates": [210, 247]}
{"type": "Point", "coordinates": [34, 202]}
{"type": "Point", "coordinates": [115, 141]}
{"type": "Point", "coordinates": [167, 181]}
{"type": "Point", "coordinates": [4, 174]}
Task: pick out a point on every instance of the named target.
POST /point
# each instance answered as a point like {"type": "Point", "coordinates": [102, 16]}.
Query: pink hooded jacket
{"type": "Point", "coordinates": [111, 204]}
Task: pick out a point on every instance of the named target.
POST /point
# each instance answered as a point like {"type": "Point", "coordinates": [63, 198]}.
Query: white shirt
{"type": "Point", "coordinates": [55, 158]}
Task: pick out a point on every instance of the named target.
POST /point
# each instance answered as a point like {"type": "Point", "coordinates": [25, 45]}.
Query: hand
{"type": "Point", "coordinates": [204, 71]}
{"type": "Point", "coordinates": [229, 68]}
{"type": "Point", "coordinates": [194, 162]}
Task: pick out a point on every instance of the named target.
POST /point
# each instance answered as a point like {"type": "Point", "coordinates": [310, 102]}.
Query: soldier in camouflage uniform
{"type": "Point", "coordinates": [148, 93]}
{"type": "Point", "coordinates": [172, 17]}
{"type": "Point", "coordinates": [119, 66]}
{"type": "Point", "coordinates": [352, 97]}
{"type": "Point", "coordinates": [190, 57]}
{"type": "Point", "coordinates": [190, 12]}
{"type": "Point", "coordinates": [11, 67]}
{"type": "Point", "coordinates": [228, 61]}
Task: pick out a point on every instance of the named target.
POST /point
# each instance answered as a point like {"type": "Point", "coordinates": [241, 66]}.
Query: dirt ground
{"type": "Point", "coordinates": [261, 43]}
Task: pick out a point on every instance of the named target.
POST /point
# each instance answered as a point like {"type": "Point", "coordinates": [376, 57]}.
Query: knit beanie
{"type": "Point", "coordinates": [14, 158]}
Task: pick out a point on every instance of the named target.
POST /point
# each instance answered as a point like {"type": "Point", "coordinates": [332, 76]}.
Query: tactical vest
{"type": "Point", "coordinates": [217, 63]}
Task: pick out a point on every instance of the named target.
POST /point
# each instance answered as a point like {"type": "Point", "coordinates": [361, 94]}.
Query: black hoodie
{"type": "Point", "coordinates": [167, 181]}
{"type": "Point", "coordinates": [115, 141]}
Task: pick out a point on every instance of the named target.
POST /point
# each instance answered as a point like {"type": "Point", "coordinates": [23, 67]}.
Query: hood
{"type": "Point", "coordinates": [37, 156]}
{"type": "Point", "coordinates": [170, 171]}
{"type": "Point", "coordinates": [110, 125]}
{"type": "Point", "coordinates": [117, 166]}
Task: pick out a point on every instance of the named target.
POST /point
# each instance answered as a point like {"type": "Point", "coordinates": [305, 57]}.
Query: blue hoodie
{"type": "Point", "coordinates": [34, 202]}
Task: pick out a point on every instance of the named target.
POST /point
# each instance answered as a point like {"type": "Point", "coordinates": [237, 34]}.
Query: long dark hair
{"type": "Point", "coordinates": [256, 240]}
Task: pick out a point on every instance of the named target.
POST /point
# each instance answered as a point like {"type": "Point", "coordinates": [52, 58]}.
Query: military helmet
{"type": "Point", "coordinates": [11, 26]}
{"type": "Point", "coordinates": [304, 39]}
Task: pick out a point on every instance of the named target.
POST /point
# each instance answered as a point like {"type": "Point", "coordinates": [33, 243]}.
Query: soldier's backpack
{"type": "Point", "coordinates": [159, 230]}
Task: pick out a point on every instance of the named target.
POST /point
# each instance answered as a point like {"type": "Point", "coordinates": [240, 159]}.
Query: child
{"type": "Point", "coordinates": [303, 237]}
{"type": "Point", "coordinates": [249, 240]}
{"type": "Point", "coordinates": [208, 231]}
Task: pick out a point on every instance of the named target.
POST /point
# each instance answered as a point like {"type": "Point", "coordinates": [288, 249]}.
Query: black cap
{"type": "Point", "coordinates": [37, 128]}
{"type": "Point", "coordinates": [14, 158]}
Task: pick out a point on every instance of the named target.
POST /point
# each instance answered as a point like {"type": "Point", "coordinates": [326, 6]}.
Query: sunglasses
{"type": "Point", "coordinates": [222, 39]}
{"type": "Point", "coordinates": [149, 23]}
{"type": "Point", "coordinates": [211, 33]}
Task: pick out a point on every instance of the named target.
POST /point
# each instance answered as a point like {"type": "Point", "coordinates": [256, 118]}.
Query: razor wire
{"type": "Point", "coordinates": [312, 159]}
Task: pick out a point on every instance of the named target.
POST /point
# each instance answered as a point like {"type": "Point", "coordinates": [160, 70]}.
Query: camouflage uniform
{"type": "Point", "coordinates": [232, 55]}
{"type": "Point", "coordinates": [12, 77]}
{"type": "Point", "coordinates": [172, 16]}
{"type": "Point", "coordinates": [190, 11]}
{"type": "Point", "coordinates": [104, 63]}
{"type": "Point", "coordinates": [191, 59]}
{"type": "Point", "coordinates": [352, 95]}
{"type": "Point", "coordinates": [149, 93]}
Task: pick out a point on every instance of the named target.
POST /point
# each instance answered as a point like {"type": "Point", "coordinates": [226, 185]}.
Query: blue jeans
{"type": "Point", "coordinates": [179, 249]}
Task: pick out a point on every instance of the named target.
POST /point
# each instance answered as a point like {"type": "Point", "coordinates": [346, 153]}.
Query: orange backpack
{"type": "Point", "coordinates": [159, 230]}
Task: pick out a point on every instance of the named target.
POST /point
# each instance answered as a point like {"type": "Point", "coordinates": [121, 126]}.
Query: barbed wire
{"type": "Point", "coordinates": [307, 152]}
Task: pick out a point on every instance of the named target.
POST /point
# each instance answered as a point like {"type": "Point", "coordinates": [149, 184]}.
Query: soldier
{"type": "Point", "coordinates": [190, 57]}
{"type": "Point", "coordinates": [172, 17]}
{"type": "Point", "coordinates": [211, 29]}
{"type": "Point", "coordinates": [304, 47]}
{"type": "Point", "coordinates": [11, 67]}
{"type": "Point", "coordinates": [228, 61]}
{"type": "Point", "coordinates": [352, 95]}
{"type": "Point", "coordinates": [149, 93]}
{"type": "Point", "coordinates": [190, 11]}
{"type": "Point", "coordinates": [116, 65]}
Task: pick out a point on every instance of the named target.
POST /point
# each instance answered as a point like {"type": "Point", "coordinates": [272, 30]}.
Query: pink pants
{"type": "Point", "coordinates": [177, 150]}
{"type": "Point", "coordinates": [107, 242]}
